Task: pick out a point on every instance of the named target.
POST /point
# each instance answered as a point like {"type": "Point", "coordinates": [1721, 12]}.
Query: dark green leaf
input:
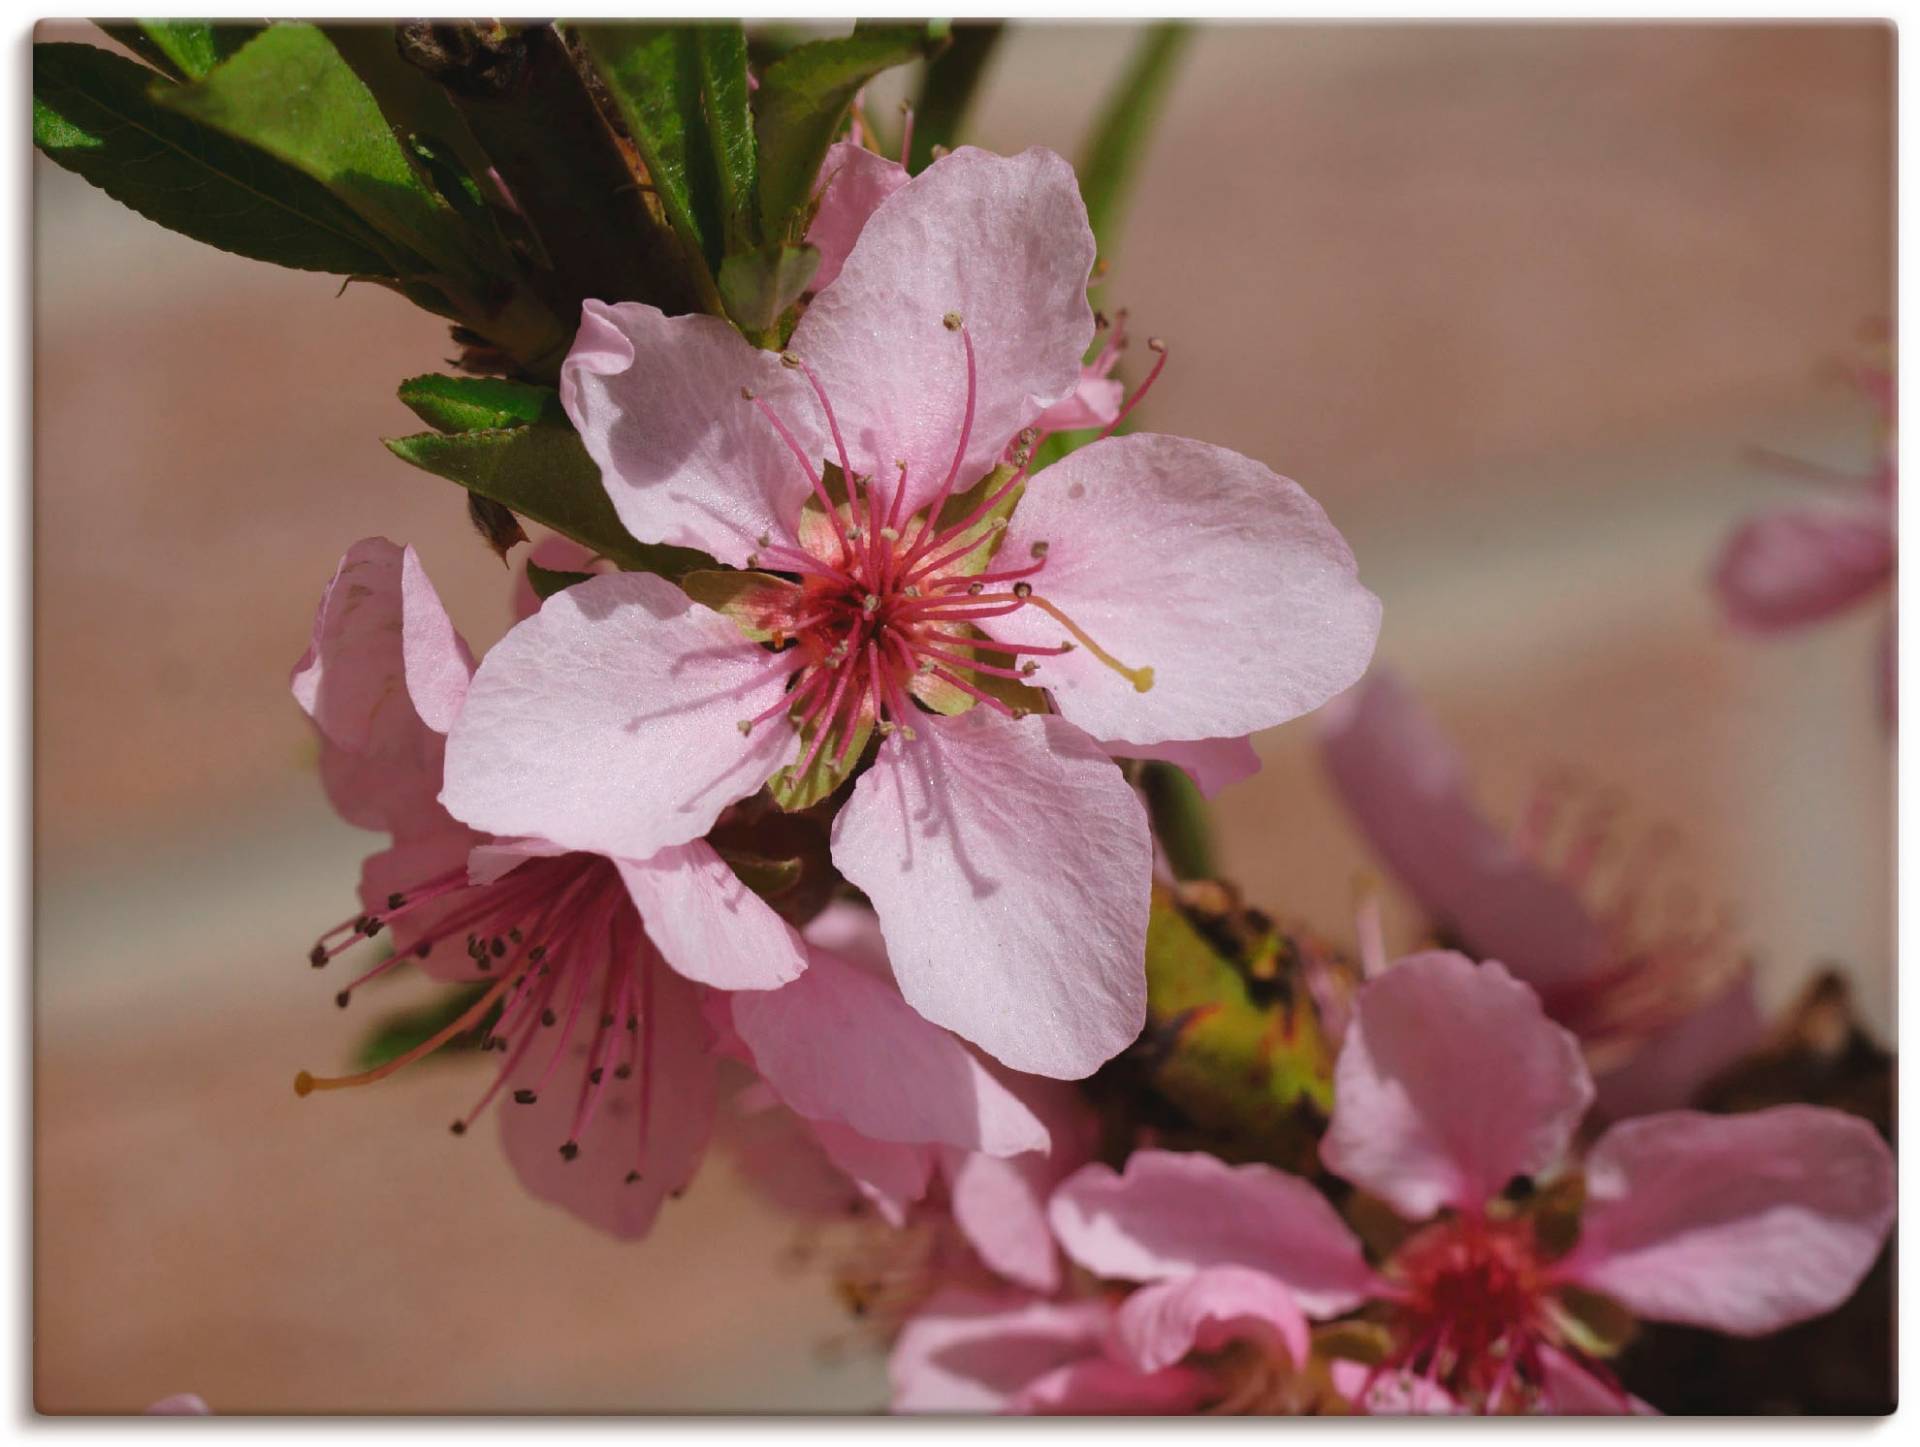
{"type": "Point", "coordinates": [478, 404]}
{"type": "Point", "coordinates": [724, 96]}
{"type": "Point", "coordinates": [801, 105]}
{"type": "Point", "coordinates": [947, 91]}
{"type": "Point", "coordinates": [395, 1034]}
{"type": "Point", "coordinates": [92, 115]}
{"type": "Point", "coordinates": [545, 582]}
{"type": "Point", "coordinates": [288, 92]}
{"type": "Point", "coordinates": [542, 472]}
{"type": "Point", "coordinates": [184, 49]}
{"type": "Point", "coordinates": [1112, 155]}
{"type": "Point", "coordinates": [757, 287]}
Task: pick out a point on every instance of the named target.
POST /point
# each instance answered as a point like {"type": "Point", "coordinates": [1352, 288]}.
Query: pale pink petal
{"type": "Point", "coordinates": [438, 662]}
{"type": "Point", "coordinates": [557, 555]}
{"type": "Point", "coordinates": [853, 183]}
{"type": "Point", "coordinates": [494, 859]}
{"type": "Point", "coordinates": [1177, 556]}
{"type": "Point", "coordinates": [1785, 569]}
{"type": "Point", "coordinates": [1160, 1323]}
{"type": "Point", "coordinates": [1668, 1068]}
{"type": "Point", "coordinates": [1404, 786]}
{"type": "Point", "coordinates": [180, 1404]}
{"type": "Point", "coordinates": [1000, 1204]}
{"type": "Point", "coordinates": [840, 1044]}
{"type": "Point", "coordinates": [1009, 863]}
{"type": "Point", "coordinates": [1741, 1223]}
{"type": "Point", "coordinates": [968, 1351]}
{"type": "Point", "coordinates": [409, 866]}
{"type": "Point", "coordinates": [379, 762]}
{"type": "Point", "coordinates": [852, 932]}
{"type": "Point", "coordinates": [1098, 1387]}
{"type": "Point", "coordinates": [890, 1175]}
{"type": "Point", "coordinates": [1568, 1389]}
{"type": "Point", "coordinates": [782, 1158]}
{"type": "Point", "coordinates": [657, 1123]}
{"type": "Point", "coordinates": [1095, 402]}
{"type": "Point", "coordinates": [1212, 764]}
{"type": "Point", "coordinates": [1391, 1393]}
{"type": "Point", "coordinates": [1003, 242]}
{"type": "Point", "coordinates": [1451, 1082]}
{"type": "Point", "coordinates": [1174, 1212]}
{"type": "Point", "coordinates": [685, 457]}
{"type": "Point", "coordinates": [710, 926]}
{"type": "Point", "coordinates": [609, 722]}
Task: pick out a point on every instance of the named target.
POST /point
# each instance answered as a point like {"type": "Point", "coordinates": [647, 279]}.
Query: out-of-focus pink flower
{"type": "Point", "coordinates": [1659, 1009]}
{"type": "Point", "coordinates": [1796, 566]}
{"type": "Point", "coordinates": [607, 1059]}
{"type": "Point", "coordinates": [898, 1105]}
{"type": "Point", "coordinates": [1452, 1083]}
{"type": "Point", "coordinates": [180, 1404]}
{"type": "Point", "coordinates": [1007, 858]}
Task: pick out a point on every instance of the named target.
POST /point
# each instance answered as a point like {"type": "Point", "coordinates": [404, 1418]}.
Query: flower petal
{"type": "Point", "coordinates": [658, 1122]}
{"type": "Point", "coordinates": [1568, 1389]}
{"type": "Point", "coordinates": [1160, 1323]}
{"type": "Point", "coordinates": [557, 555]}
{"type": "Point", "coordinates": [1671, 1066]}
{"type": "Point", "coordinates": [1000, 1203]}
{"type": "Point", "coordinates": [854, 181]}
{"type": "Point", "coordinates": [438, 663]}
{"type": "Point", "coordinates": [1403, 784]}
{"type": "Point", "coordinates": [1212, 764]}
{"type": "Point", "coordinates": [1222, 577]}
{"type": "Point", "coordinates": [1003, 242]}
{"type": "Point", "coordinates": [180, 1404]}
{"type": "Point", "coordinates": [608, 722]}
{"type": "Point", "coordinates": [1097, 1387]}
{"type": "Point", "coordinates": [1175, 1212]}
{"type": "Point", "coordinates": [970, 1351]}
{"type": "Point", "coordinates": [1741, 1223]}
{"type": "Point", "coordinates": [379, 761]}
{"type": "Point", "coordinates": [1009, 864]}
{"type": "Point", "coordinates": [685, 457]}
{"type": "Point", "coordinates": [408, 866]}
{"type": "Point", "coordinates": [1785, 569]}
{"type": "Point", "coordinates": [840, 1044]}
{"type": "Point", "coordinates": [1391, 1393]}
{"type": "Point", "coordinates": [890, 1175]}
{"type": "Point", "coordinates": [708, 925]}
{"type": "Point", "coordinates": [1451, 1082]}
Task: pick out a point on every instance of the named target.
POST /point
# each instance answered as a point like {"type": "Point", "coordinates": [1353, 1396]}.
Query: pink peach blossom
{"type": "Point", "coordinates": [1160, 591]}
{"type": "Point", "coordinates": [1451, 1084]}
{"type": "Point", "coordinates": [1660, 1010]}
{"type": "Point", "coordinates": [593, 964]}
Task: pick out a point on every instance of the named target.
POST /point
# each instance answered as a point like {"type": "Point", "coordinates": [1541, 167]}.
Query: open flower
{"type": "Point", "coordinates": [1793, 567]}
{"type": "Point", "coordinates": [1003, 637]}
{"type": "Point", "coordinates": [1451, 1086]}
{"type": "Point", "coordinates": [1660, 1009]}
{"type": "Point", "coordinates": [588, 962]}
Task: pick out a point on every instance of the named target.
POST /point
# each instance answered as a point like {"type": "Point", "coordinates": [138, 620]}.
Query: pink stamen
{"type": "Point", "coordinates": [1156, 345]}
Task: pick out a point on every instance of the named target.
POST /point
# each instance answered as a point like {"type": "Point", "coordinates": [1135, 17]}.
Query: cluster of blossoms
{"type": "Point", "coordinates": [910, 632]}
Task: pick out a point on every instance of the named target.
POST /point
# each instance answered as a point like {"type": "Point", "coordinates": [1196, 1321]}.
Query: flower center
{"type": "Point", "coordinates": [558, 948]}
{"type": "Point", "coordinates": [885, 602]}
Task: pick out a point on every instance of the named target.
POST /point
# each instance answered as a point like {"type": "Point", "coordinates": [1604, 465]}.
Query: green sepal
{"type": "Point", "coordinates": [793, 790]}
{"type": "Point", "coordinates": [184, 49]}
{"type": "Point", "coordinates": [985, 533]}
{"type": "Point", "coordinates": [758, 286]}
{"type": "Point", "coordinates": [801, 105]}
{"type": "Point", "coordinates": [1367, 1342]}
{"type": "Point", "coordinates": [395, 1034]}
{"type": "Point", "coordinates": [768, 878]}
{"type": "Point", "coordinates": [755, 602]}
{"type": "Point", "coordinates": [542, 472]}
{"type": "Point", "coordinates": [943, 698]}
{"type": "Point", "coordinates": [478, 404]}
{"type": "Point", "coordinates": [545, 582]}
{"type": "Point", "coordinates": [94, 114]}
{"type": "Point", "coordinates": [1595, 1324]}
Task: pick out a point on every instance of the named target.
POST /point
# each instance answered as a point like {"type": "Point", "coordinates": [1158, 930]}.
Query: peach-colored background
{"type": "Point", "coordinates": [1509, 300]}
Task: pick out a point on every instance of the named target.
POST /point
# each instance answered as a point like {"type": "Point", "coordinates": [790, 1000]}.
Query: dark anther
{"type": "Point", "coordinates": [632, 1177]}
{"type": "Point", "coordinates": [360, 924]}
{"type": "Point", "coordinates": [396, 900]}
{"type": "Point", "coordinates": [317, 956]}
{"type": "Point", "coordinates": [342, 998]}
{"type": "Point", "coordinates": [570, 1150]}
{"type": "Point", "coordinates": [499, 947]}
{"type": "Point", "coordinates": [975, 589]}
{"type": "Point", "coordinates": [513, 933]}
{"type": "Point", "coordinates": [524, 1097]}
{"type": "Point", "coordinates": [623, 1072]}
{"type": "Point", "coordinates": [459, 1127]}
{"type": "Point", "coordinates": [537, 954]}
{"type": "Point", "coordinates": [633, 1022]}
{"type": "Point", "coordinates": [423, 949]}
{"type": "Point", "coordinates": [606, 1021]}
{"type": "Point", "coordinates": [547, 1017]}
{"type": "Point", "coordinates": [1023, 589]}
{"type": "Point", "coordinates": [596, 1075]}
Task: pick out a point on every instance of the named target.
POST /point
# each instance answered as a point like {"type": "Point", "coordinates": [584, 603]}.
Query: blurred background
{"type": "Point", "coordinates": [1512, 302]}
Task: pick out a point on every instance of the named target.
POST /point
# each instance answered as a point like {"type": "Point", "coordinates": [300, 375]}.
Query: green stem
{"type": "Point", "coordinates": [1111, 160]}
{"type": "Point", "coordinates": [1179, 817]}
{"type": "Point", "coordinates": [947, 91]}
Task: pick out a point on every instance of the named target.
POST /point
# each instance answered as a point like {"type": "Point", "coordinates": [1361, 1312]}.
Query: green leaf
{"type": "Point", "coordinates": [657, 76]}
{"type": "Point", "coordinates": [947, 90]}
{"type": "Point", "coordinates": [542, 472]}
{"type": "Point", "coordinates": [545, 582]}
{"type": "Point", "coordinates": [185, 49]}
{"type": "Point", "coordinates": [757, 287]}
{"type": "Point", "coordinates": [92, 114]}
{"type": "Point", "coordinates": [725, 101]}
{"type": "Point", "coordinates": [802, 104]}
{"type": "Point", "coordinates": [289, 92]}
{"type": "Point", "coordinates": [1112, 155]}
{"type": "Point", "coordinates": [478, 404]}
{"type": "Point", "coordinates": [395, 1034]}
